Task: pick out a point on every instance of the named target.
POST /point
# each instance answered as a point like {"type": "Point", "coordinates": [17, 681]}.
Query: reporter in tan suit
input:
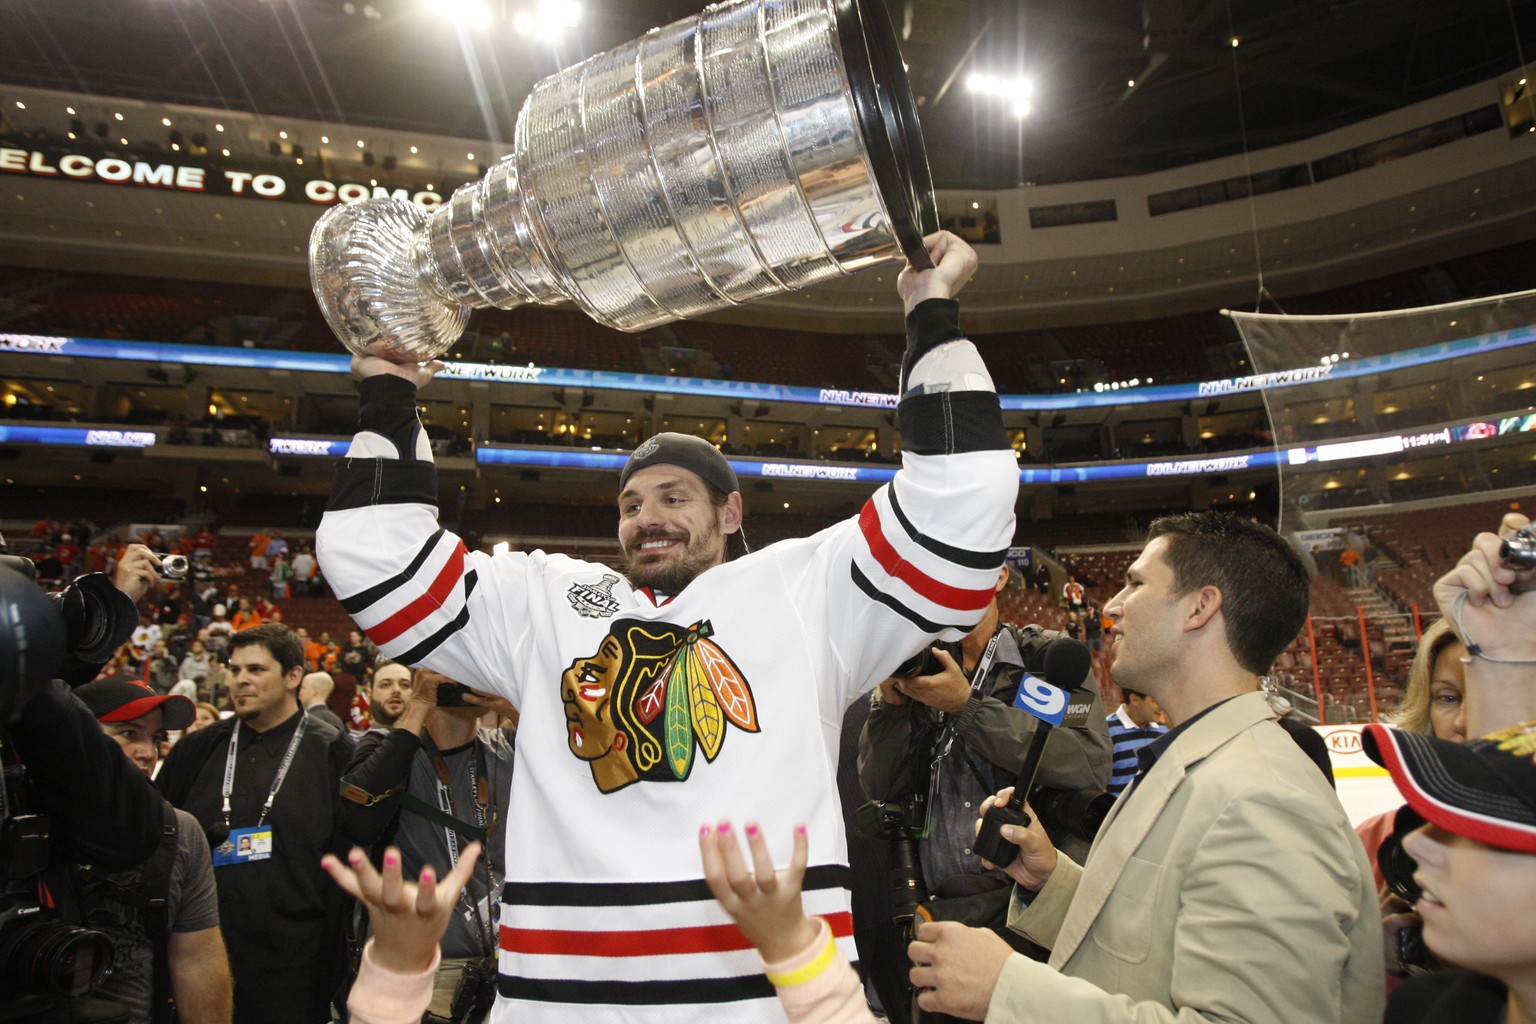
{"type": "Point", "coordinates": [1226, 884]}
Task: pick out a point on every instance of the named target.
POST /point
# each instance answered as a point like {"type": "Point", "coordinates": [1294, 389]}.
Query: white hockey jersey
{"type": "Point", "coordinates": [642, 722]}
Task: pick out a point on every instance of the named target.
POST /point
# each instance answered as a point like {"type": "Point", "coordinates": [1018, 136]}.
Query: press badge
{"type": "Point", "coordinates": [244, 846]}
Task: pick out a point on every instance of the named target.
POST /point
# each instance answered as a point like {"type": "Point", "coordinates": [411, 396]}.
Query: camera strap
{"type": "Point", "coordinates": [946, 737]}
{"type": "Point", "coordinates": [282, 769]}
{"type": "Point", "coordinates": [485, 823]}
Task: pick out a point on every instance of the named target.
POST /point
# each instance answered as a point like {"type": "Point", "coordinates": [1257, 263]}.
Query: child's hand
{"type": "Point", "coordinates": [408, 919]}
{"type": "Point", "coordinates": [763, 902]}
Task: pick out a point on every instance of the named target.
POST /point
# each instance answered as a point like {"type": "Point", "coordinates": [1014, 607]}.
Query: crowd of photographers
{"type": "Point", "coordinates": [111, 911]}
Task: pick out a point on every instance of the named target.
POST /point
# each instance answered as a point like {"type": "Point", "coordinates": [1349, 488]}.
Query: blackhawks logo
{"type": "Point", "coordinates": [651, 699]}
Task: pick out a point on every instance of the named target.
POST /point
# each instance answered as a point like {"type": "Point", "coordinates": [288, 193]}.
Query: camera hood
{"type": "Point", "coordinates": [31, 641]}
{"type": "Point", "coordinates": [98, 618]}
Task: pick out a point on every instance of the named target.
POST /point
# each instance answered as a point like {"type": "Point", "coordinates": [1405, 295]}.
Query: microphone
{"type": "Point", "coordinates": [1064, 663]}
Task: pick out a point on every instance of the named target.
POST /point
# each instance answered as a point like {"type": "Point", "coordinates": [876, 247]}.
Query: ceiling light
{"type": "Point", "coordinates": [165, 121]}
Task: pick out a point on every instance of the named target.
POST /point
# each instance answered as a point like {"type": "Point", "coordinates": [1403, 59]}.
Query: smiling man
{"type": "Point", "coordinates": [684, 685]}
{"type": "Point", "coordinates": [269, 775]}
{"type": "Point", "coordinates": [1226, 883]}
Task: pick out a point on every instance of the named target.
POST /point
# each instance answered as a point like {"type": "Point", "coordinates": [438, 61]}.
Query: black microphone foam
{"type": "Point", "coordinates": [1064, 663]}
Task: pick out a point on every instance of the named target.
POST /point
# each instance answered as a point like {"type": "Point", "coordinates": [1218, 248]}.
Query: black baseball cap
{"type": "Point", "coordinates": [689, 452]}
{"type": "Point", "coordinates": [122, 699]}
{"type": "Point", "coordinates": [1484, 789]}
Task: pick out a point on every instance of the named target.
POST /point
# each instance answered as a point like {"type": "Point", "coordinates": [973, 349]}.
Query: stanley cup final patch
{"type": "Point", "coordinates": [594, 600]}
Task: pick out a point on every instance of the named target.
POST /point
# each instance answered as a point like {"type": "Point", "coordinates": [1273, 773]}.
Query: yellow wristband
{"type": "Point", "coordinates": [800, 976]}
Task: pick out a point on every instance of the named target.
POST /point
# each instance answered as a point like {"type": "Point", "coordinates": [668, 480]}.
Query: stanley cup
{"type": "Point", "coordinates": [760, 147]}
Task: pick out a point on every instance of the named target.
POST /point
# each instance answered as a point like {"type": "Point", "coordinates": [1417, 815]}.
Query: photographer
{"type": "Point", "coordinates": [951, 735]}
{"type": "Point", "coordinates": [431, 785]}
{"type": "Point", "coordinates": [70, 796]}
{"type": "Point", "coordinates": [163, 917]}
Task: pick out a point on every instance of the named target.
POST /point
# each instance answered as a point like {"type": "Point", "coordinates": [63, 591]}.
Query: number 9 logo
{"type": "Point", "coordinates": [1041, 699]}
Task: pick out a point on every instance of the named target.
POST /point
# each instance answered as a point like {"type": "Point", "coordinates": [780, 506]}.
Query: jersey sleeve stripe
{"type": "Point", "coordinates": [874, 593]}
{"type": "Point", "coordinates": [436, 595]}
{"type": "Point", "coordinates": [364, 599]}
{"type": "Point", "coordinates": [418, 653]}
{"type": "Point", "coordinates": [886, 556]}
{"type": "Point", "coordinates": [988, 560]}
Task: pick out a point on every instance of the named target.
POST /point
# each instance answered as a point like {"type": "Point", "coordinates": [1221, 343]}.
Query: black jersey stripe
{"type": "Point", "coordinates": [364, 599]}
{"type": "Point", "coordinates": [680, 991]}
{"type": "Point", "coordinates": [950, 422]}
{"type": "Point", "coordinates": [360, 483]}
{"type": "Point", "coordinates": [959, 556]}
{"type": "Point", "coordinates": [874, 593]}
{"type": "Point", "coordinates": [635, 894]}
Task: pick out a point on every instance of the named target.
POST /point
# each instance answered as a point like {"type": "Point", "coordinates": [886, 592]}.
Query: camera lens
{"type": "Point", "coordinates": [173, 566]}
{"type": "Point", "coordinates": [59, 961]}
{"type": "Point", "coordinates": [1519, 551]}
{"type": "Point", "coordinates": [1397, 867]}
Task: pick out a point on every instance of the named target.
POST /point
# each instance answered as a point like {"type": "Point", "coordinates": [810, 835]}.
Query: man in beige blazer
{"type": "Point", "coordinates": [1226, 884]}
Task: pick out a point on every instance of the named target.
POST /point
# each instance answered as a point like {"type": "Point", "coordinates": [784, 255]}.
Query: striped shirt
{"type": "Point", "coordinates": [1128, 737]}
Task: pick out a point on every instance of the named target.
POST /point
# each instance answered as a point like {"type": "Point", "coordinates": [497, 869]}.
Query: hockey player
{"type": "Point", "coordinates": [682, 687]}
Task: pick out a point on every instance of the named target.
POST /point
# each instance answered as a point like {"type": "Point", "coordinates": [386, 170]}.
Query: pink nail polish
{"type": "Point", "coordinates": [752, 829]}
{"type": "Point", "coordinates": [725, 828]}
{"type": "Point", "coordinates": [390, 860]}
{"type": "Point", "coordinates": [703, 830]}
{"type": "Point", "coordinates": [800, 829]}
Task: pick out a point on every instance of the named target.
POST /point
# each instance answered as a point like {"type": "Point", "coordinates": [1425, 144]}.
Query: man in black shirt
{"type": "Point", "coordinates": [264, 784]}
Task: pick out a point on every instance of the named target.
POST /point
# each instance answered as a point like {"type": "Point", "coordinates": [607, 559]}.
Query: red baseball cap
{"type": "Point", "coordinates": [1484, 789]}
{"type": "Point", "coordinates": [122, 699]}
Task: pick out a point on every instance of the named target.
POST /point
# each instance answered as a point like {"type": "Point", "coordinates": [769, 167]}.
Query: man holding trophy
{"type": "Point", "coordinates": [683, 687]}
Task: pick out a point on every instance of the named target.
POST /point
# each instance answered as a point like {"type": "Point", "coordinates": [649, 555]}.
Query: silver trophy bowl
{"type": "Point", "coordinates": [759, 147]}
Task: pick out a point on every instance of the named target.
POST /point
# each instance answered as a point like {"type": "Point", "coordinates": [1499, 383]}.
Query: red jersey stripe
{"type": "Point", "coordinates": [893, 564]}
{"type": "Point", "coordinates": [412, 614]}
{"type": "Point", "coordinates": [720, 938]}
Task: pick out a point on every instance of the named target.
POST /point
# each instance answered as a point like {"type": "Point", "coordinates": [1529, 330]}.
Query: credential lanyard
{"type": "Point", "coordinates": [282, 769]}
{"type": "Point", "coordinates": [946, 737]}
{"type": "Point", "coordinates": [479, 784]}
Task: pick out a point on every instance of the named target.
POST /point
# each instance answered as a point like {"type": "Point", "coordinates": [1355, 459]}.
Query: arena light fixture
{"type": "Point", "coordinates": [473, 13]}
{"type": "Point", "coordinates": [550, 18]}
{"type": "Point", "coordinates": [1018, 92]}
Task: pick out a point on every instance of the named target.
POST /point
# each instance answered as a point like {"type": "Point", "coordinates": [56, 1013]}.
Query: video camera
{"type": "Point", "coordinates": [45, 960]}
